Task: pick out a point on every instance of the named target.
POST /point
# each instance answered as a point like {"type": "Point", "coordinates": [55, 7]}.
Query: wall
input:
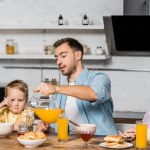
{"type": "Point", "coordinates": [129, 88]}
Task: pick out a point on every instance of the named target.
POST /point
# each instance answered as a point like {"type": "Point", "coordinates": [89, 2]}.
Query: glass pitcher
{"type": "Point", "coordinates": [47, 110]}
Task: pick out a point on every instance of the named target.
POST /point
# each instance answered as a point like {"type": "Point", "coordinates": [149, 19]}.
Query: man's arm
{"type": "Point", "coordinates": [79, 91]}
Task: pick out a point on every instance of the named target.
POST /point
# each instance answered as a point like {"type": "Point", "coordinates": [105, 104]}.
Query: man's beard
{"type": "Point", "coordinates": [70, 71]}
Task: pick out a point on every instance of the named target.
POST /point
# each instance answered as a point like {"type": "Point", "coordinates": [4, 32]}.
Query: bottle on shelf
{"type": "Point", "coordinates": [60, 20]}
{"type": "Point", "coordinates": [99, 50]}
{"type": "Point", "coordinates": [85, 20]}
{"type": "Point", "coordinates": [10, 46]}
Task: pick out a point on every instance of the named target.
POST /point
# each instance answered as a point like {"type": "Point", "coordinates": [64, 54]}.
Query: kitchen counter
{"type": "Point", "coordinates": [11, 143]}
{"type": "Point", "coordinates": [127, 117]}
{"type": "Point", "coordinates": [128, 114]}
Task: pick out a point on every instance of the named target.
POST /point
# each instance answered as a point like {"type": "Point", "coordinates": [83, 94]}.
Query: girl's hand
{"type": "Point", "coordinates": [128, 134]}
{"type": "Point", "coordinates": [5, 102]}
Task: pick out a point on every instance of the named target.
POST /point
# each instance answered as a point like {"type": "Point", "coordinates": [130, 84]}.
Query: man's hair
{"type": "Point", "coordinates": [73, 43]}
{"type": "Point", "coordinates": [17, 84]}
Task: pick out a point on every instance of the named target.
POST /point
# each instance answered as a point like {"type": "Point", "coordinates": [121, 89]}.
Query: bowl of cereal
{"type": "Point", "coordinates": [32, 139]}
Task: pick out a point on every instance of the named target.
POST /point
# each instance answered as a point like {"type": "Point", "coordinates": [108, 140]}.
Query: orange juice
{"type": "Point", "coordinates": [48, 115]}
{"type": "Point", "coordinates": [141, 135]}
{"type": "Point", "coordinates": [62, 129]}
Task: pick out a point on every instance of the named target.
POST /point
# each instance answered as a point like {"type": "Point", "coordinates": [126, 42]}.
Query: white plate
{"type": "Point", "coordinates": [31, 143]}
{"type": "Point", "coordinates": [125, 145]}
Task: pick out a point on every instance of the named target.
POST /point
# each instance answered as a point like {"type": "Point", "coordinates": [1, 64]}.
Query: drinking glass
{"type": "Point", "coordinates": [141, 135]}
{"type": "Point", "coordinates": [85, 132]}
{"type": "Point", "coordinates": [22, 129]}
{"type": "Point", "coordinates": [62, 123]}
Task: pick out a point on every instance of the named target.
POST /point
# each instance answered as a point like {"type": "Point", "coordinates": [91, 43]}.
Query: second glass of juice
{"type": "Point", "coordinates": [62, 124]}
{"type": "Point", "coordinates": [141, 135]}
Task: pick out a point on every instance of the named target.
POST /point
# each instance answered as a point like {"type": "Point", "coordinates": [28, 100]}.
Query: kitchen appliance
{"type": "Point", "coordinates": [127, 35]}
{"type": "Point", "coordinates": [136, 7]}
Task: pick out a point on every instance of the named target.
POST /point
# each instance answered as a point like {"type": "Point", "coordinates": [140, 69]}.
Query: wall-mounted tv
{"type": "Point", "coordinates": [128, 35]}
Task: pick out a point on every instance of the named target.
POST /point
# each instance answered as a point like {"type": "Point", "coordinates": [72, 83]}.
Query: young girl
{"type": "Point", "coordinates": [12, 108]}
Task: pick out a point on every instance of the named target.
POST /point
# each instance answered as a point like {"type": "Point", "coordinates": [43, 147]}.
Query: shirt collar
{"type": "Point", "coordinates": [80, 77]}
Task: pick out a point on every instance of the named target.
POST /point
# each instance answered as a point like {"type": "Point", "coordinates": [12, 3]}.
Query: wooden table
{"type": "Point", "coordinates": [11, 143]}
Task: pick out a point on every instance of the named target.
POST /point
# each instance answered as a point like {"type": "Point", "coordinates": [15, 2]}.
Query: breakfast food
{"type": "Point", "coordinates": [33, 136]}
{"type": "Point", "coordinates": [113, 139]}
{"type": "Point", "coordinates": [116, 144]}
{"type": "Point", "coordinates": [40, 135]}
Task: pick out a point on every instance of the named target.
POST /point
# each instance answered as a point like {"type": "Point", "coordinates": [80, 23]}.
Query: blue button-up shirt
{"type": "Point", "coordinates": [100, 111]}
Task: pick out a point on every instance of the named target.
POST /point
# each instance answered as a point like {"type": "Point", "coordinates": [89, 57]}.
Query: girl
{"type": "Point", "coordinates": [12, 108]}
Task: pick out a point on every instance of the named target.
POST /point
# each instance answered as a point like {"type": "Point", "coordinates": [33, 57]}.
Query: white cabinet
{"type": "Point", "coordinates": [43, 31]}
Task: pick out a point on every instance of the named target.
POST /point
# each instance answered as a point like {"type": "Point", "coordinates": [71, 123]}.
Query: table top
{"type": "Point", "coordinates": [73, 143]}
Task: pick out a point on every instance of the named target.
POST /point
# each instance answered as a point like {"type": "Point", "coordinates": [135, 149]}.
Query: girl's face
{"type": "Point", "coordinates": [18, 99]}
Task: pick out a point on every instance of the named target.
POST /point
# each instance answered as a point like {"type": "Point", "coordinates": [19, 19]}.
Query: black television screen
{"type": "Point", "coordinates": [128, 35]}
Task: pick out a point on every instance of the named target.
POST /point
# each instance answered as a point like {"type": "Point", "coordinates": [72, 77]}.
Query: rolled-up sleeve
{"type": "Point", "coordinates": [101, 85]}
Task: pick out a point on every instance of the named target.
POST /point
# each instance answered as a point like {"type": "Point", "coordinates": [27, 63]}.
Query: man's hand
{"type": "Point", "coordinates": [46, 89]}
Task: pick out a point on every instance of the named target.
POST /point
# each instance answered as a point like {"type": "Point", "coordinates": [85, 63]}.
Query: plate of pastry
{"type": "Point", "coordinates": [32, 139]}
{"type": "Point", "coordinates": [114, 141]}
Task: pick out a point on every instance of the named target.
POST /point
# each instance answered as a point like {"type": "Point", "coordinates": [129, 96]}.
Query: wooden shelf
{"type": "Point", "coordinates": [46, 57]}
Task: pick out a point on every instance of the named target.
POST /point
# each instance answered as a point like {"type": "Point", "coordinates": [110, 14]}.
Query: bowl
{"type": "Point", "coordinates": [31, 143]}
{"type": "Point", "coordinates": [86, 131]}
{"type": "Point", "coordinates": [6, 129]}
{"type": "Point", "coordinates": [86, 128]}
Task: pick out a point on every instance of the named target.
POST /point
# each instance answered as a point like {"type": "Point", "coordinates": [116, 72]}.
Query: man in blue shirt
{"type": "Point", "coordinates": [86, 94]}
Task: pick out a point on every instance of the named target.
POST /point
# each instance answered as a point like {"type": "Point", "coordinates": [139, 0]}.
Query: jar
{"type": "Point", "coordinates": [10, 46]}
{"type": "Point", "coordinates": [99, 50]}
{"type": "Point", "coordinates": [85, 49]}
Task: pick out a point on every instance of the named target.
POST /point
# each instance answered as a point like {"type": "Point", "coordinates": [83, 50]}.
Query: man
{"type": "Point", "coordinates": [86, 94]}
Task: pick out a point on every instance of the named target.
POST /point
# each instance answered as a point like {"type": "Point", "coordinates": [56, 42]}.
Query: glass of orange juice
{"type": "Point", "coordinates": [62, 124]}
{"type": "Point", "coordinates": [141, 135]}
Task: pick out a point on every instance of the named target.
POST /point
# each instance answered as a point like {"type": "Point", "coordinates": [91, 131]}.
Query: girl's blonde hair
{"type": "Point", "coordinates": [17, 84]}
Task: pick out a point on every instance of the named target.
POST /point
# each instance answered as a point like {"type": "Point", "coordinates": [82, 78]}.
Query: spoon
{"type": "Point", "coordinates": [74, 123]}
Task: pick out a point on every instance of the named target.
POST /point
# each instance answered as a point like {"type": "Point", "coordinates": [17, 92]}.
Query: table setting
{"type": "Point", "coordinates": [83, 138]}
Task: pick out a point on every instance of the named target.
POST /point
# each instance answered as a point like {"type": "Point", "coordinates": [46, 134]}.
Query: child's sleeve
{"type": "Point", "coordinates": [2, 114]}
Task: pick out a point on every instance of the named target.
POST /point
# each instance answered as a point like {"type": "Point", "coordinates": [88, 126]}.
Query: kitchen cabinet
{"type": "Point", "coordinates": [91, 29]}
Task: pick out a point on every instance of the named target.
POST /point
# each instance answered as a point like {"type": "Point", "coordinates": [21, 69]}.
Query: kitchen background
{"type": "Point", "coordinates": [34, 23]}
